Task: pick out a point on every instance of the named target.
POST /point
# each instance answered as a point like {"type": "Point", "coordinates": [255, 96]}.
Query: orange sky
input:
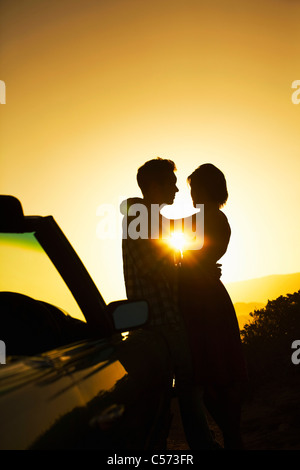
{"type": "Point", "coordinates": [95, 88]}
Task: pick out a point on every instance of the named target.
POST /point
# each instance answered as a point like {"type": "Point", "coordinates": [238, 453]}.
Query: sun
{"type": "Point", "coordinates": [177, 241]}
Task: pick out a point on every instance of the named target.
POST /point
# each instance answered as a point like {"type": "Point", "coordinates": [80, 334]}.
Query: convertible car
{"type": "Point", "coordinates": [75, 373]}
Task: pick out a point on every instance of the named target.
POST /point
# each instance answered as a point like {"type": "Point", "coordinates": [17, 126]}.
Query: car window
{"type": "Point", "coordinates": [26, 269]}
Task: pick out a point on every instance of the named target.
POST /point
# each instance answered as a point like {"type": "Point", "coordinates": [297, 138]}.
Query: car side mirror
{"type": "Point", "coordinates": [128, 315]}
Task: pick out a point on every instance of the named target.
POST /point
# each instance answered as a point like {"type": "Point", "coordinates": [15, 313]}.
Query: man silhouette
{"type": "Point", "coordinates": [150, 274]}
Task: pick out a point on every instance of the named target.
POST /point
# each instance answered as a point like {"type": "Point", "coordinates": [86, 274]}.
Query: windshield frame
{"type": "Point", "coordinates": [67, 262]}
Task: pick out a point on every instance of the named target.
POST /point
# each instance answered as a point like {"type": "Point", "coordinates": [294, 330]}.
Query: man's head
{"type": "Point", "coordinates": [157, 181]}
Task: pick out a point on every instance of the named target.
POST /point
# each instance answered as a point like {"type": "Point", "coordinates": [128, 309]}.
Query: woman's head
{"type": "Point", "coordinates": [208, 185]}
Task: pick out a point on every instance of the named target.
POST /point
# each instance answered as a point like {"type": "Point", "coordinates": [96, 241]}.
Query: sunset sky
{"type": "Point", "coordinates": [95, 88]}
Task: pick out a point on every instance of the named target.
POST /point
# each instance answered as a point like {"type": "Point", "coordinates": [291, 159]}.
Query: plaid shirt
{"type": "Point", "coordinates": [150, 274]}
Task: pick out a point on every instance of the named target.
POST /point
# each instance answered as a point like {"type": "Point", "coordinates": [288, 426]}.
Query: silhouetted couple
{"type": "Point", "coordinates": [188, 303]}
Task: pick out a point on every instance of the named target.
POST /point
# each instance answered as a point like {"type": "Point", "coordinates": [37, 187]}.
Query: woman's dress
{"type": "Point", "coordinates": [208, 310]}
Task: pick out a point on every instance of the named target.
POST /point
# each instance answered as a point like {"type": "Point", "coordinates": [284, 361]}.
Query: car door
{"type": "Point", "coordinates": [124, 385]}
{"type": "Point", "coordinates": [37, 395]}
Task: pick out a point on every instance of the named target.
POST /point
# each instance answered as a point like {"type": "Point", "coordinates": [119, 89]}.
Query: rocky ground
{"type": "Point", "coordinates": [270, 420]}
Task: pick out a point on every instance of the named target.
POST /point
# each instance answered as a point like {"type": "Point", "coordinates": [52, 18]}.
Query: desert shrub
{"type": "Point", "coordinates": [268, 337]}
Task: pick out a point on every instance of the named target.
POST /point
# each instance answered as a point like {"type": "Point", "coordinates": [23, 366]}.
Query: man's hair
{"type": "Point", "coordinates": [154, 171]}
{"type": "Point", "coordinates": [212, 180]}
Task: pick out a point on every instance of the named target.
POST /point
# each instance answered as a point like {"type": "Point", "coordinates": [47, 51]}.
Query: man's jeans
{"type": "Point", "coordinates": [190, 397]}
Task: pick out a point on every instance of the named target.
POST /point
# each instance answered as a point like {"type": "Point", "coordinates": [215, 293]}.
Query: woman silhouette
{"type": "Point", "coordinates": [208, 311]}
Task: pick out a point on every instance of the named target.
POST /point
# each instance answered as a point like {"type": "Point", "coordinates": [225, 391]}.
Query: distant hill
{"type": "Point", "coordinates": [254, 294]}
{"type": "Point", "coordinates": [264, 288]}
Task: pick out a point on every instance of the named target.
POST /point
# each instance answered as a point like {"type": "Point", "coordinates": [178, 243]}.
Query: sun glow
{"type": "Point", "coordinates": [177, 240]}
